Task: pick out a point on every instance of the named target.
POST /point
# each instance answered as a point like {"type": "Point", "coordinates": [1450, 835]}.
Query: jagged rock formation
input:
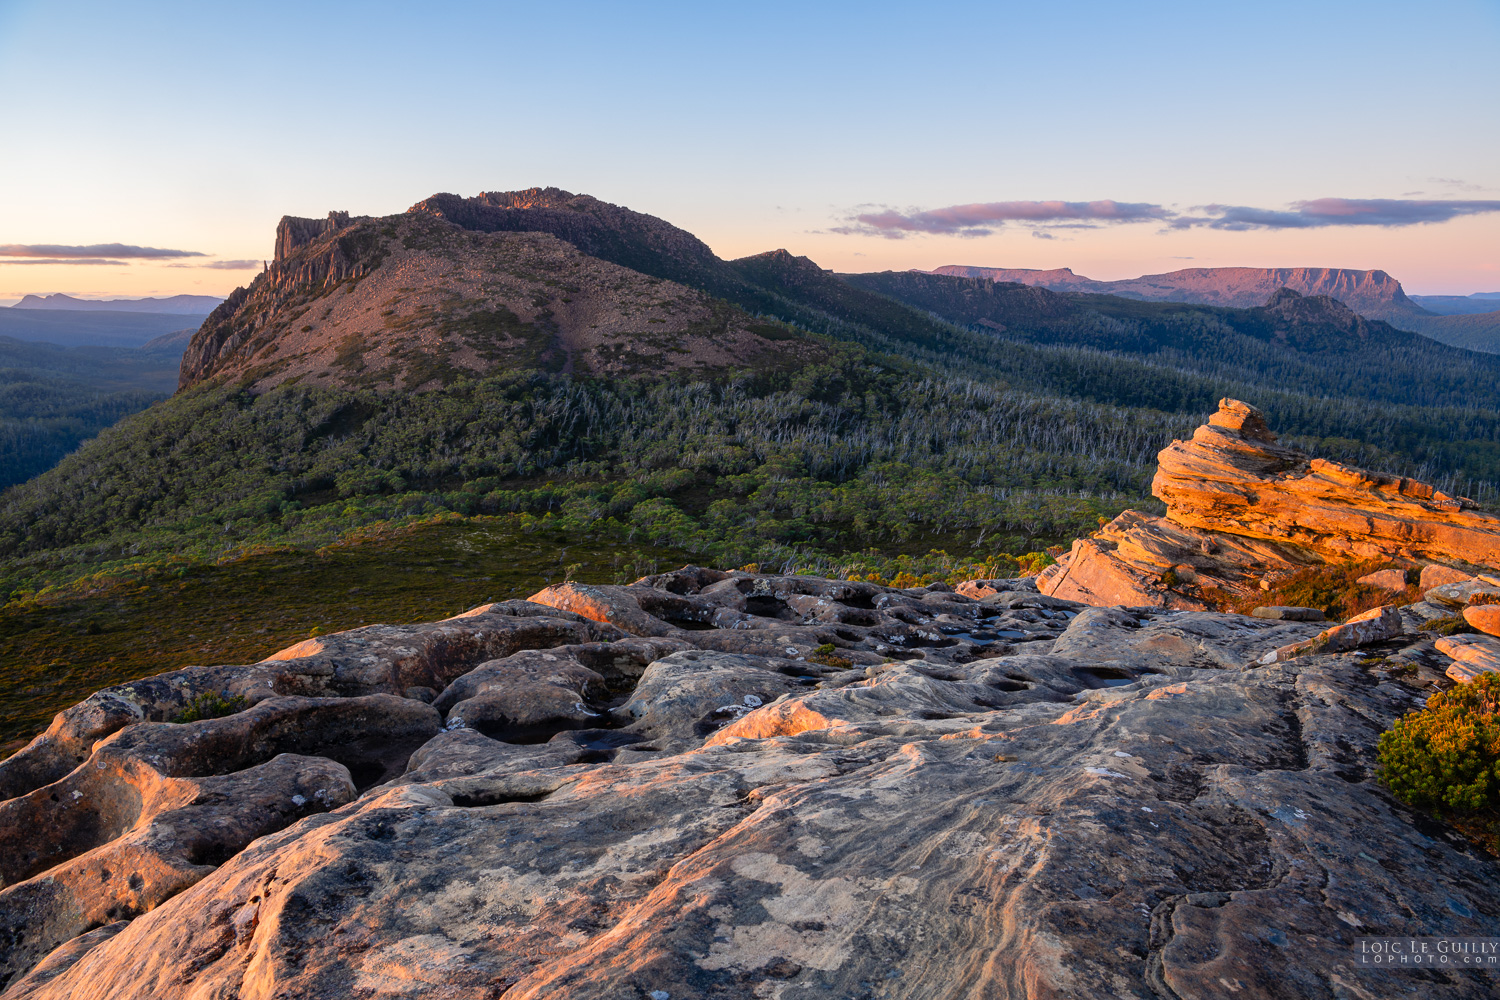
{"type": "Point", "coordinates": [1011, 796]}
{"type": "Point", "coordinates": [1241, 506]}
{"type": "Point", "coordinates": [418, 300]}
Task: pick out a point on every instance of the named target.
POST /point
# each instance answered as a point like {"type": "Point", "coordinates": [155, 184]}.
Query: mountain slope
{"type": "Point", "coordinates": [414, 300]}
{"type": "Point", "coordinates": [1311, 344]}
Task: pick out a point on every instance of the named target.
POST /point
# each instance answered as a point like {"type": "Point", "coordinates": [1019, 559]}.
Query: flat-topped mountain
{"type": "Point", "coordinates": [1372, 294]}
{"type": "Point", "coordinates": [418, 299]}
{"type": "Point", "coordinates": [185, 305]}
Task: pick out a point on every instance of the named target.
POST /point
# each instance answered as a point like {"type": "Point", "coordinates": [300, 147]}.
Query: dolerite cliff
{"type": "Point", "coordinates": [713, 784]}
{"type": "Point", "coordinates": [1241, 508]}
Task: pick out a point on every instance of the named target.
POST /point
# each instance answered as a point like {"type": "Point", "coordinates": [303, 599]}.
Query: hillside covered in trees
{"type": "Point", "coordinates": [923, 410]}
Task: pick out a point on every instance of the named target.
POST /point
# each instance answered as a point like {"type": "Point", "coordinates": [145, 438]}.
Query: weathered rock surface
{"type": "Point", "coordinates": [1472, 655]}
{"type": "Point", "coordinates": [1100, 802]}
{"type": "Point", "coordinates": [1484, 617]}
{"type": "Point", "coordinates": [1434, 575]}
{"type": "Point", "coordinates": [1458, 595]}
{"type": "Point", "coordinates": [1385, 579]}
{"type": "Point", "coordinates": [1241, 507]}
{"type": "Point", "coordinates": [1283, 613]}
{"type": "Point", "coordinates": [1375, 625]}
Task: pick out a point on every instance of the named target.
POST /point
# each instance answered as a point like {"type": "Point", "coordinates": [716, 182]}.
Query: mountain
{"type": "Point", "coordinates": [416, 300]}
{"type": "Point", "coordinates": [84, 327]}
{"type": "Point", "coordinates": [1372, 294]}
{"type": "Point", "coordinates": [185, 305]}
{"type": "Point", "coordinates": [1458, 305]}
{"type": "Point", "coordinates": [1311, 344]}
{"type": "Point", "coordinates": [600, 370]}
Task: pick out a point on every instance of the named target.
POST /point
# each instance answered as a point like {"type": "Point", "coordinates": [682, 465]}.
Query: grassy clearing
{"type": "Point", "coordinates": [56, 651]}
{"type": "Point", "coordinates": [61, 645]}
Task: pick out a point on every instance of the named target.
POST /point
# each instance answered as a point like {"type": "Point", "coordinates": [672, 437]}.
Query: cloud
{"type": "Point", "coordinates": [1323, 212]}
{"type": "Point", "coordinates": [225, 265]}
{"type": "Point", "coordinates": [1457, 183]}
{"type": "Point", "coordinates": [94, 250]}
{"type": "Point", "coordinates": [981, 219]}
{"type": "Point", "coordinates": [70, 260]}
{"type": "Point", "coordinates": [1044, 218]}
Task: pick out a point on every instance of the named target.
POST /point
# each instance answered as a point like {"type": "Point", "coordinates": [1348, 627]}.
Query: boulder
{"type": "Point", "coordinates": [1289, 614]}
{"type": "Point", "coordinates": [1484, 617]}
{"type": "Point", "coordinates": [1385, 579]}
{"type": "Point", "coordinates": [1457, 595]}
{"type": "Point", "coordinates": [978, 589]}
{"type": "Point", "coordinates": [1435, 575]}
{"type": "Point", "coordinates": [1376, 625]}
{"type": "Point", "coordinates": [1243, 510]}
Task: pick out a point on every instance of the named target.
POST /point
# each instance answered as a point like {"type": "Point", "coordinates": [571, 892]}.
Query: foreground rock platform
{"type": "Point", "coordinates": [1243, 508]}
{"type": "Point", "coordinates": [676, 789]}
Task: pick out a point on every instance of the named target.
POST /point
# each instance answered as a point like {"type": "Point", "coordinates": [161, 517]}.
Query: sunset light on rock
{"type": "Point", "coordinates": [676, 502]}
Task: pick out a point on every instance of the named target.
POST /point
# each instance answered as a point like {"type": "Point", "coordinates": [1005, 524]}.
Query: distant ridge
{"type": "Point", "coordinates": [1373, 294]}
{"type": "Point", "coordinates": [185, 305]}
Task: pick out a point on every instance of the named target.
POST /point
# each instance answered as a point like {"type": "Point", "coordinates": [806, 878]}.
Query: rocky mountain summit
{"type": "Point", "coordinates": [1242, 508]}
{"type": "Point", "coordinates": [418, 300]}
{"type": "Point", "coordinates": [736, 784]}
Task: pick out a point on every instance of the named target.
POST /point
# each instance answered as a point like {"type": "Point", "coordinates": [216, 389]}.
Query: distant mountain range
{"type": "Point", "coordinates": [1459, 305]}
{"type": "Point", "coordinates": [92, 327]}
{"type": "Point", "coordinates": [1472, 322]}
{"type": "Point", "coordinates": [186, 305]}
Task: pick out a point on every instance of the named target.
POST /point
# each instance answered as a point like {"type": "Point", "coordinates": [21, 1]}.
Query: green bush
{"type": "Point", "coordinates": [210, 705]}
{"type": "Point", "coordinates": [1446, 758]}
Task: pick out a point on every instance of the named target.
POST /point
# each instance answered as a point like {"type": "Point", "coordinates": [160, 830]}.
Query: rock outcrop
{"type": "Point", "coordinates": [675, 789]}
{"type": "Point", "coordinates": [1241, 506]}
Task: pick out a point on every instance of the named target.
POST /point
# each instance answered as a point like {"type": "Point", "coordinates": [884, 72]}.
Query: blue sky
{"type": "Point", "coordinates": [196, 126]}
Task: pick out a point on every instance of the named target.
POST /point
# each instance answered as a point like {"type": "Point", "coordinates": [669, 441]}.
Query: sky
{"type": "Point", "coordinates": [150, 148]}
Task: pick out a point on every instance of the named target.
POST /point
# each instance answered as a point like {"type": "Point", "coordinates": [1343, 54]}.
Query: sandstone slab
{"type": "Point", "coordinates": [1457, 595]}
{"type": "Point", "coordinates": [1472, 655]}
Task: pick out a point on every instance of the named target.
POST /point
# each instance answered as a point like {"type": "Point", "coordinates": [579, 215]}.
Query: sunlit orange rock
{"type": "Point", "coordinates": [1240, 506]}
{"type": "Point", "coordinates": [1484, 617]}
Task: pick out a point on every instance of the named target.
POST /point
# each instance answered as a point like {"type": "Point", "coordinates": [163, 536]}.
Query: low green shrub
{"type": "Point", "coordinates": [210, 705]}
{"type": "Point", "coordinates": [1445, 759]}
